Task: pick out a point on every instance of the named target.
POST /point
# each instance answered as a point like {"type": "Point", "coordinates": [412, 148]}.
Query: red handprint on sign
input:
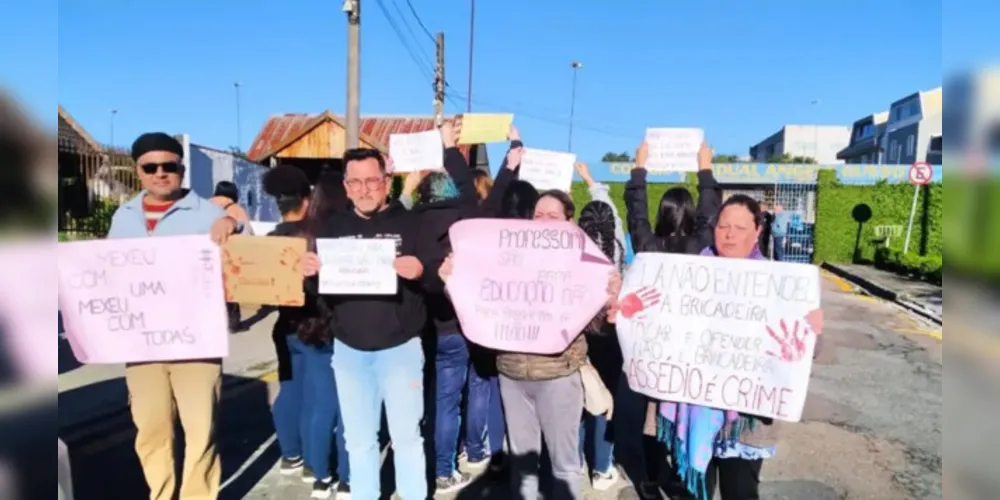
{"type": "Point", "coordinates": [792, 341]}
{"type": "Point", "coordinates": [638, 301]}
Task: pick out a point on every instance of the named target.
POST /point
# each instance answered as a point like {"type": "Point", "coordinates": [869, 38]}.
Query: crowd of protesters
{"type": "Point", "coordinates": [504, 416]}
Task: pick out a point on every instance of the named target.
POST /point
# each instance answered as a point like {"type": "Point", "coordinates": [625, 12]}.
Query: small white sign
{"type": "Point", "coordinates": [415, 152]}
{"type": "Point", "coordinates": [674, 149]}
{"type": "Point", "coordinates": [354, 266]}
{"type": "Point", "coordinates": [731, 334]}
{"type": "Point", "coordinates": [547, 169]}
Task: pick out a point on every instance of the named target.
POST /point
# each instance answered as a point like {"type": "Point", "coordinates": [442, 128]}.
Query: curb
{"type": "Point", "coordinates": [883, 292]}
{"type": "Point", "coordinates": [111, 420]}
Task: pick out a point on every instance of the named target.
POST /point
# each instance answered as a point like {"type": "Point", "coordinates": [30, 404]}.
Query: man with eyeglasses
{"type": "Point", "coordinates": [188, 388]}
{"type": "Point", "coordinates": [377, 351]}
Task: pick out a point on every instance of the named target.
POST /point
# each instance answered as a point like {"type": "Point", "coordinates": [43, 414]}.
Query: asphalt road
{"type": "Point", "coordinates": [871, 428]}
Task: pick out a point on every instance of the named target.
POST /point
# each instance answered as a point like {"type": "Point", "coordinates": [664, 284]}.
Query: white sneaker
{"type": "Point", "coordinates": [603, 482]}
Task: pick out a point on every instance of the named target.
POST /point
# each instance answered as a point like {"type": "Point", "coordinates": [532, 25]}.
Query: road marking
{"type": "Point", "coordinates": [919, 331]}
{"type": "Point", "coordinates": [841, 283]}
{"type": "Point", "coordinates": [116, 438]}
{"type": "Point", "coordinates": [259, 452]}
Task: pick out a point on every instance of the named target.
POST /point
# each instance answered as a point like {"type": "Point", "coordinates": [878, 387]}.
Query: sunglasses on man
{"type": "Point", "coordinates": [170, 167]}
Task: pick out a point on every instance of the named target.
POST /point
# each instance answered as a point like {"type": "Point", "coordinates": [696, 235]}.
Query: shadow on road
{"type": "Point", "coordinates": [105, 465]}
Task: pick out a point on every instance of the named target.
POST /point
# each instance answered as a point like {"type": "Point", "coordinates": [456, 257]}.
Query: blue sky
{"type": "Point", "coordinates": [738, 69]}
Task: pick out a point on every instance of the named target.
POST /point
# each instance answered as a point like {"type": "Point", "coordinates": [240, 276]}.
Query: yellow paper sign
{"type": "Point", "coordinates": [263, 270]}
{"type": "Point", "coordinates": [484, 128]}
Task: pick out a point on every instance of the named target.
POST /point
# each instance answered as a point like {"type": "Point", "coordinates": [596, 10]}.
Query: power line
{"type": "Point", "coordinates": [421, 65]}
{"type": "Point", "coordinates": [419, 21]}
{"type": "Point", "coordinates": [407, 25]}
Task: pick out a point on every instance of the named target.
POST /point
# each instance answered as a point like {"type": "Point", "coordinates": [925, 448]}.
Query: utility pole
{"type": "Point", "coordinates": [353, 110]}
{"type": "Point", "coordinates": [114, 113]}
{"type": "Point", "coordinates": [472, 38]}
{"type": "Point", "coordinates": [439, 81]}
{"type": "Point", "coordinates": [239, 125]}
{"type": "Point", "coordinates": [576, 65]}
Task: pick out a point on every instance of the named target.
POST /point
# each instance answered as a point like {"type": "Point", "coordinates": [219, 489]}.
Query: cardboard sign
{"type": "Point", "coordinates": [357, 266]}
{"type": "Point", "coordinates": [547, 169]}
{"type": "Point", "coordinates": [263, 270]}
{"type": "Point", "coordinates": [525, 286]}
{"type": "Point", "coordinates": [674, 149]}
{"type": "Point", "coordinates": [144, 299]}
{"type": "Point", "coordinates": [724, 333]}
{"type": "Point", "coordinates": [415, 152]}
{"type": "Point", "coordinates": [484, 128]}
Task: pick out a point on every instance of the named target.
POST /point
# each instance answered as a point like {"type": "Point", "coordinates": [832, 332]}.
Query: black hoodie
{"type": "Point", "coordinates": [436, 218]}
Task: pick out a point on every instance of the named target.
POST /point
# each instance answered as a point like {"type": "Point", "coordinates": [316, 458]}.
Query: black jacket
{"type": "Point", "coordinates": [436, 218]}
{"type": "Point", "coordinates": [492, 206]}
{"type": "Point", "coordinates": [376, 322]}
{"type": "Point", "coordinates": [290, 317]}
{"type": "Point", "coordinates": [637, 207]}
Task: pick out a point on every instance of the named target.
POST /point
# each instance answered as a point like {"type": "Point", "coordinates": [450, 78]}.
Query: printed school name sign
{"type": "Point", "coordinates": [723, 333]}
{"type": "Point", "coordinates": [767, 173]}
{"type": "Point", "coordinates": [525, 286]}
{"type": "Point", "coordinates": [139, 300]}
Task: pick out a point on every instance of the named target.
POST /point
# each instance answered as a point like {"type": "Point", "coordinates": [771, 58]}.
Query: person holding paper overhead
{"type": "Point", "coordinates": [680, 228]}
{"type": "Point", "coordinates": [377, 352]}
{"type": "Point", "coordinates": [190, 389]}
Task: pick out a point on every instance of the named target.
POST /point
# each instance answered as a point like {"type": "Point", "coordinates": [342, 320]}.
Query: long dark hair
{"type": "Point", "coordinates": [328, 197]}
{"type": "Point", "coordinates": [229, 190]}
{"type": "Point", "coordinates": [597, 220]}
{"type": "Point", "coordinates": [288, 185]}
{"type": "Point", "coordinates": [569, 208]}
{"type": "Point", "coordinates": [519, 201]}
{"type": "Point", "coordinates": [674, 220]}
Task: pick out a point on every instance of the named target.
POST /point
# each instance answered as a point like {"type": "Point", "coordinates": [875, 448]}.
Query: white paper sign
{"type": "Point", "coordinates": [547, 169]}
{"type": "Point", "coordinates": [353, 266]}
{"type": "Point", "coordinates": [674, 149]}
{"type": "Point", "coordinates": [717, 332]}
{"type": "Point", "coordinates": [415, 152]}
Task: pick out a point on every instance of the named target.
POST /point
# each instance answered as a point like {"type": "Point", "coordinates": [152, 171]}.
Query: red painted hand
{"type": "Point", "coordinates": [638, 301]}
{"type": "Point", "coordinates": [791, 341]}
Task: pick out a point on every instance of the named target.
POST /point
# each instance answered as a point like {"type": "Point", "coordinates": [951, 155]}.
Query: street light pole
{"type": "Point", "coordinates": [472, 38]}
{"type": "Point", "coordinates": [114, 112]}
{"type": "Point", "coordinates": [815, 102]}
{"type": "Point", "coordinates": [572, 103]}
{"type": "Point", "coordinates": [239, 131]}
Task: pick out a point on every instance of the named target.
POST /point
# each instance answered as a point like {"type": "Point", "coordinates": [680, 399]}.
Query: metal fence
{"type": "Point", "coordinates": [798, 201]}
{"type": "Point", "coordinates": [92, 184]}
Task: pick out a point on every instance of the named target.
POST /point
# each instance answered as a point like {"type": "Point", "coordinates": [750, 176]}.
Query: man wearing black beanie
{"type": "Point", "coordinates": [158, 390]}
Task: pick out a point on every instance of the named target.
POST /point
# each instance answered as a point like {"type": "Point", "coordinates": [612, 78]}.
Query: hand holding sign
{"type": "Point", "coordinates": [408, 267]}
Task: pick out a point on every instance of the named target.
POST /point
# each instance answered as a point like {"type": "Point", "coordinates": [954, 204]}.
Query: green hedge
{"type": "Point", "coordinates": [972, 244]}
{"type": "Point", "coordinates": [837, 231]}
{"type": "Point", "coordinates": [581, 195]}
{"type": "Point", "coordinates": [927, 268]}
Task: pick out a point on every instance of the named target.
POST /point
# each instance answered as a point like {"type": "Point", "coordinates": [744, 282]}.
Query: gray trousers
{"type": "Point", "coordinates": [551, 409]}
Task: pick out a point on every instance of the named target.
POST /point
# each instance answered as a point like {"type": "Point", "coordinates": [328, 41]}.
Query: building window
{"type": "Point", "coordinates": [910, 145]}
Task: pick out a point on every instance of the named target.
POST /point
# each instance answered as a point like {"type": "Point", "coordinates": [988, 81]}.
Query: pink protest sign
{"type": "Point", "coordinates": [525, 286]}
{"type": "Point", "coordinates": [146, 299]}
{"type": "Point", "coordinates": [28, 310]}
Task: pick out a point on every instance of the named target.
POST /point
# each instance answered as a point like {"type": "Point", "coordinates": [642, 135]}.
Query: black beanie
{"type": "Point", "coordinates": [156, 141]}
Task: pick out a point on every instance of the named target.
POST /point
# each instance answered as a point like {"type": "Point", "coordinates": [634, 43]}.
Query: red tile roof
{"type": "Point", "coordinates": [282, 130]}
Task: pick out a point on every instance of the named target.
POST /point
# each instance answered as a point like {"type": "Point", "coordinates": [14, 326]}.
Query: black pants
{"type": "Point", "coordinates": [233, 310]}
{"type": "Point", "coordinates": [735, 478]}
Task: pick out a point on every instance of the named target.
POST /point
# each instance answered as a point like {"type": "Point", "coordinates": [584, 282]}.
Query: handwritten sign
{"type": "Point", "coordinates": [354, 266]}
{"type": "Point", "coordinates": [484, 128]}
{"type": "Point", "coordinates": [525, 286]}
{"type": "Point", "coordinates": [415, 152]}
{"type": "Point", "coordinates": [263, 270]}
{"type": "Point", "coordinates": [146, 299]}
{"type": "Point", "coordinates": [674, 149]}
{"type": "Point", "coordinates": [717, 332]}
{"type": "Point", "coordinates": [547, 169]}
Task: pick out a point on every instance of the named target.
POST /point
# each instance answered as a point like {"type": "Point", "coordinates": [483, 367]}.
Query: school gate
{"type": "Point", "coordinates": [793, 186]}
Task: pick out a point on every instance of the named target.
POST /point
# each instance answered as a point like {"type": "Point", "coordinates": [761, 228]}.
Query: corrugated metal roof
{"type": "Point", "coordinates": [282, 130]}
{"type": "Point", "coordinates": [73, 137]}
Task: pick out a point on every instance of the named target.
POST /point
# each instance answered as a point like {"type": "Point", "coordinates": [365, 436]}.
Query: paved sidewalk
{"type": "Point", "coordinates": [927, 297]}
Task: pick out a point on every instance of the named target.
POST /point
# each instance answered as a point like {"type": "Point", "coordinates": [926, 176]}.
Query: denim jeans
{"type": "Point", "coordinates": [451, 367]}
{"type": "Point", "coordinates": [366, 379]}
{"type": "Point", "coordinates": [307, 415]}
{"type": "Point", "coordinates": [484, 423]}
{"type": "Point", "coordinates": [594, 434]}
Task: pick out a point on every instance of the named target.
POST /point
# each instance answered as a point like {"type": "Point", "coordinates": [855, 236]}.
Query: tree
{"type": "Point", "coordinates": [787, 158]}
{"type": "Point", "coordinates": [616, 157]}
{"type": "Point", "coordinates": [726, 159]}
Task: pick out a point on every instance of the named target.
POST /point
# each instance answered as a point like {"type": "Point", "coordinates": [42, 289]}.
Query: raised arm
{"type": "Point", "coordinates": [709, 199]}
{"type": "Point", "coordinates": [456, 165]}
{"type": "Point", "coordinates": [492, 205]}
{"type": "Point", "coordinates": [637, 204]}
{"type": "Point", "coordinates": [601, 192]}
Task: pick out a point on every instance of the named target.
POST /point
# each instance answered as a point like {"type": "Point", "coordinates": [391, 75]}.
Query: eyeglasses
{"type": "Point", "coordinates": [371, 183]}
{"type": "Point", "coordinates": [170, 167]}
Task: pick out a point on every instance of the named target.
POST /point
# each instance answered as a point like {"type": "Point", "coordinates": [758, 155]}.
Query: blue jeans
{"type": "Point", "coordinates": [366, 379]}
{"type": "Point", "coordinates": [779, 247]}
{"type": "Point", "coordinates": [307, 416]}
{"type": "Point", "coordinates": [451, 367]}
{"type": "Point", "coordinates": [484, 423]}
{"type": "Point", "coordinates": [600, 441]}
